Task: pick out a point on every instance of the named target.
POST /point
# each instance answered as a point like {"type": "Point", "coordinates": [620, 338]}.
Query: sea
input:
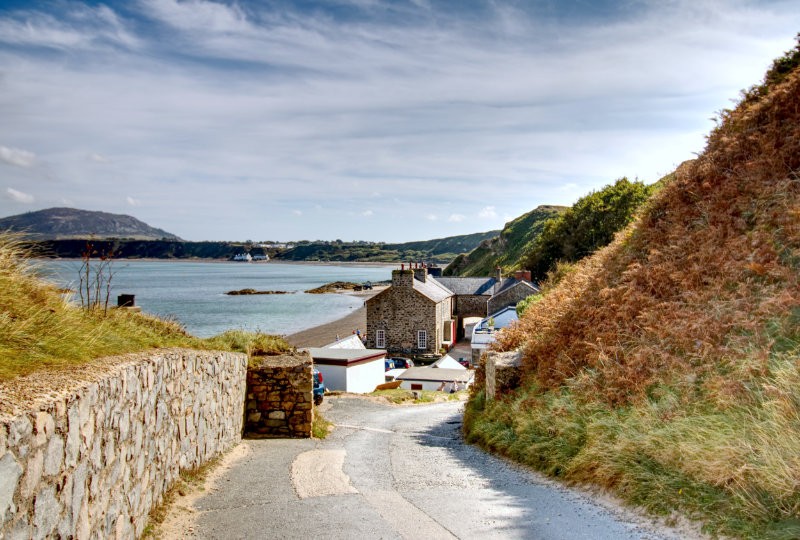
{"type": "Point", "coordinates": [193, 293]}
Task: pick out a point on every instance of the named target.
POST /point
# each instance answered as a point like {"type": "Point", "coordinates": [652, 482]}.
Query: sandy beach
{"type": "Point", "coordinates": [326, 333]}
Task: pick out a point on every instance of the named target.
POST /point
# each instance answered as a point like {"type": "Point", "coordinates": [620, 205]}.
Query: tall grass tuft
{"type": "Point", "coordinates": [40, 328]}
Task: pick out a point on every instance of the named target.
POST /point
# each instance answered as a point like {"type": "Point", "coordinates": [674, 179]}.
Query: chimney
{"type": "Point", "coordinates": [499, 275]}
{"type": "Point", "coordinates": [403, 278]}
{"type": "Point", "coordinates": [519, 275]}
{"type": "Point", "coordinates": [421, 274]}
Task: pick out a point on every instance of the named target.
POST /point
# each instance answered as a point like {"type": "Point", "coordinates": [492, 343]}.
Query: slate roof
{"type": "Point", "coordinates": [509, 282]}
{"type": "Point", "coordinates": [349, 355]}
{"type": "Point", "coordinates": [502, 319]}
{"type": "Point", "coordinates": [474, 286]}
{"type": "Point", "coordinates": [434, 291]}
{"type": "Point", "coordinates": [436, 375]}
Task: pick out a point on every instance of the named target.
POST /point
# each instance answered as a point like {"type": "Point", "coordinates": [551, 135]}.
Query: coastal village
{"type": "Point", "coordinates": [620, 361]}
{"type": "Point", "coordinates": [439, 326]}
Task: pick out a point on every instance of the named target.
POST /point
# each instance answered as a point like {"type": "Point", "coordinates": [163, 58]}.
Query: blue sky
{"type": "Point", "coordinates": [361, 119]}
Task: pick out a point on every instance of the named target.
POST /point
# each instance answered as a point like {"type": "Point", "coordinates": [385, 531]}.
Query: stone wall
{"type": "Point", "coordinates": [502, 372]}
{"type": "Point", "coordinates": [92, 452]}
{"type": "Point", "coordinates": [280, 396]}
{"type": "Point", "coordinates": [511, 296]}
{"type": "Point", "coordinates": [401, 312]}
{"type": "Point", "coordinates": [471, 305]}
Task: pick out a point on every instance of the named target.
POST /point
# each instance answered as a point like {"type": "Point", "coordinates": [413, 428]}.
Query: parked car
{"type": "Point", "coordinates": [319, 387]}
{"type": "Point", "coordinates": [464, 362]}
{"type": "Point", "coordinates": [401, 363]}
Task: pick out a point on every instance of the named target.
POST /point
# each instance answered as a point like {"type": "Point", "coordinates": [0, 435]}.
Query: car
{"type": "Point", "coordinates": [464, 362]}
{"type": "Point", "coordinates": [319, 387]}
{"type": "Point", "coordinates": [401, 363]}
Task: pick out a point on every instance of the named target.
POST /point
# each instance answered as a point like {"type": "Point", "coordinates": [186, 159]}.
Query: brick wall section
{"type": "Point", "coordinates": [93, 452]}
{"type": "Point", "coordinates": [510, 297]}
{"type": "Point", "coordinates": [280, 396]}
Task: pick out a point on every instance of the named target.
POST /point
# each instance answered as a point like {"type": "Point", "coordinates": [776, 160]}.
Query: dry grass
{"type": "Point", "coordinates": [41, 329]}
{"type": "Point", "coordinates": [666, 366]}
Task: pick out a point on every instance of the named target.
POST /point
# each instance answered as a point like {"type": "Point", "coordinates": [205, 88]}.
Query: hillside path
{"type": "Point", "coordinates": [396, 472]}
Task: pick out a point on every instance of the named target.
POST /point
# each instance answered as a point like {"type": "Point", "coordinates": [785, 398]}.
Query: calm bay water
{"type": "Point", "coordinates": [194, 292]}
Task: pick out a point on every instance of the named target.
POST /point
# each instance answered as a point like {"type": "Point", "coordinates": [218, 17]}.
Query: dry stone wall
{"type": "Point", "coordinates": [279, 396]}
{"type": "Point", "coordinates": [91, 460]}
{"type": "Point", "coordinates": [502, 372]}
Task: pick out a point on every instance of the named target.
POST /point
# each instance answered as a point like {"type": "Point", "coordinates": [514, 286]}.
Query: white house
{"type": "Point", "coordinates": [447, 362]}
{"type": "Point", "coordinates": [350, 342]}
{"type": "Point", "coordinates": [425, 378]}
{"type": "Point", "coordinates": [483, 335]}
{"type": "Point", "coordinates": [350, 370]}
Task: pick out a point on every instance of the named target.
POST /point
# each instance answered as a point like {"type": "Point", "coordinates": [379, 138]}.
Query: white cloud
{"type": "Point", "coordinates": [18, 196]}
{"type": "Point", "coordinates": [367, 213]}
{"type": "Point", "coordinates": [432, 217]}
{"type": "Point", "coordinates": [297, 212]}
{"type": "Point", "coordinates": [487, 212]}
{"type": "Point", "coordinates": [199, 15]}
{"type": "Point", "coordinates": [79, 27]}
{"type": "Point", "coordinates": [250, 112]}
{"type": "Point", "coordinates": [132, 202]}
{"type": "Point", "coordinates": [15, 156]}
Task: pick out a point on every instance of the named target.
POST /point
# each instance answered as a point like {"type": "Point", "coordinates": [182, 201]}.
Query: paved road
{"type": "Point", "coordinates": [395, 472]}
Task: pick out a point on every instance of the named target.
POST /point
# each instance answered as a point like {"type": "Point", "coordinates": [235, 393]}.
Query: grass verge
{"type": "Point", "coordinates": [40, 328]}
{"type": "Point", "coordinates": [320, 426]}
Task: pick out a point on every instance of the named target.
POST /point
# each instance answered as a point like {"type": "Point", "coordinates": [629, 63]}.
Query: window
{"type": "Point", "coordinates": [422, 339]}
{"type": "Point", "coordinates": [416, 386]}
{"type": "Point", "coordinates": [380, 339]}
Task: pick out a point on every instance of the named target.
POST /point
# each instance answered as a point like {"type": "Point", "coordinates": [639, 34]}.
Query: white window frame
{"type": "Point", "coordinates": [422, 339]}
{"type": "Point", "coordinates": [380, 339]}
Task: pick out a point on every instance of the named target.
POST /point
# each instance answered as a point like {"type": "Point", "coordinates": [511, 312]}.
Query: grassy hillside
{"type": "Point", "coordinates": [506, 249]}
{"type": "Point", "coordinates": [666, 367]}
{"type": "Point", "coordinates": [586, 226]}
{"type": "Point", "coordinates": [441, 250]}
{"type": "Point", "coordinates": [61, 223]}
{"type": "Point", "coordinates": [40, 329]}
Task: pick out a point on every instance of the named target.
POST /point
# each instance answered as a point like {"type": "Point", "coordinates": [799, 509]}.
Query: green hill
{"type": "Point", "coordinates": [441, 250]}
{"type": "Point", "coordinates": [63, 223]}
{"type": "Point", "coordinates": [506, 249]}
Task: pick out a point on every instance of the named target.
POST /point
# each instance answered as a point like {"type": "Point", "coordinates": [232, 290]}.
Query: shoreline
{"type": "Point", "coordinates": [323, 334]}
{"type": "Point", "coordinates": [366, 264]}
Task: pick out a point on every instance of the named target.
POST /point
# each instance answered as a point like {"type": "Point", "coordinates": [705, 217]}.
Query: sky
{"type": "Point", "coordinates": [361, 119]}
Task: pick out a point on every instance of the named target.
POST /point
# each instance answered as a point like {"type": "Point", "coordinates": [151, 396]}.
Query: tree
{"type": "Point", "coordinates": [95, 277]}
{"type": "Point", "coordinates": [585, 227]}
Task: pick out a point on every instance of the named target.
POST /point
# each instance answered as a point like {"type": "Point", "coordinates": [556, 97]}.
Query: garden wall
{"type": "Point", "coordinates": [279, 396]}
{"type": "Point", "coordinates": [92, 453]}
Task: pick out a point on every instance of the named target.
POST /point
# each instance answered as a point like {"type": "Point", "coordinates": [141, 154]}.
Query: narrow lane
{"type": "Point", "coordinates": [396, 472]}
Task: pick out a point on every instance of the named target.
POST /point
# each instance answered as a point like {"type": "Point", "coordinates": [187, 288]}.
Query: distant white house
{"type": "Point", "coordinates": [242, 257]}
{"type": "Point", "coordinates": [350, 342]}
{"type": "Point", "coordinates": [425, 378]}
{"type": "Point", "coordinates": [447, 362]}
{"type": "Point", "coordinates": [350, 370]}
{"type": "Point", "coordinates": [483, 335]}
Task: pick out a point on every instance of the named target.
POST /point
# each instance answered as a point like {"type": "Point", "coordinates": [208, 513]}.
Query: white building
{"type": "Point", "coordinates": [425, 378]}
{"type": "Point", "coordinates": [447, 362]}
{"type": "Point", "coordinates": [483, 335]}
{"type": "Point", "coordinates": [350, 370]}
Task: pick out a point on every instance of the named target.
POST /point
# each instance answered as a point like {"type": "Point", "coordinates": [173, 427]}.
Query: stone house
{"type": "Point", "coordinates": [413, 316]}
{"type": "Point", "coordinates": [422, 314]}
{"type": "Point", "coordinates": [480, 296]}
{"type": "Point", "coordinates": [511, 291]}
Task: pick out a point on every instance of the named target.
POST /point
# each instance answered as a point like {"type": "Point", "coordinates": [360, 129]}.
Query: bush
{"type": "Point", "coordinates": [588, 225]}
